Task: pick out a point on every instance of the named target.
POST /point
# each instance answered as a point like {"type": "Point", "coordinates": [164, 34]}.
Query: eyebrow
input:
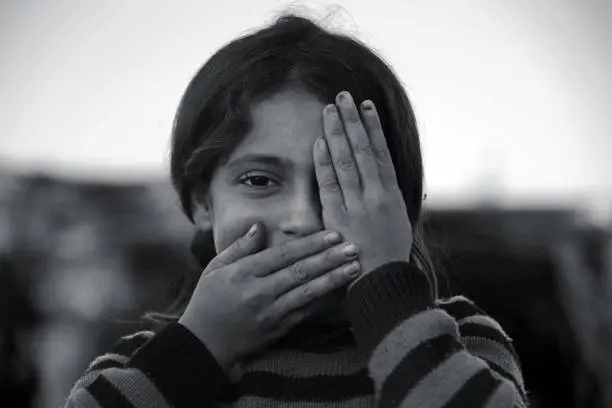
{"type": "Point", "coordinates": [260, 158]}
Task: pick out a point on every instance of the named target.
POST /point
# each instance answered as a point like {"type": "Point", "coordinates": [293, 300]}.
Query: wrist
{"type": "Point", "coordinates": [219, 352]}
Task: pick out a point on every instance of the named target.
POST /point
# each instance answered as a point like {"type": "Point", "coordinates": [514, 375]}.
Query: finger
{"type": "Point", "coordinates": [303, 295]}
{"type": "Point", "coordinates": [280, 256]}
{"type": "Point", "coordinates": [359, 141]}
{"type": "Point", "coordinates": [310, 268]}
{"type": "Point", "coordinates": [330, 193]}
{"type": "Point", "coordinates": [341, 155]}
{"type": "Point", "coordinates": [386, 170]}
{"type": "Point", "coordinates": [246, 245]}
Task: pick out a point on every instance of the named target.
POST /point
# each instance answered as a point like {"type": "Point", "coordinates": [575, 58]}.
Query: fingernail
{"type": "Point", "coordinates": [332, 238]}
{"type": "Point", "coordinates": [331, 110]}
{"type": "Point", "coordinates": [352, 269]}
{"type": "Point", "coordinates": [367, 105]}
{"type": "Point", "coordinates": [344, 97]}
{"type": "Point", "coordinates": [349, 250]}
{"type": "Point", "coordinates": [252, 231]}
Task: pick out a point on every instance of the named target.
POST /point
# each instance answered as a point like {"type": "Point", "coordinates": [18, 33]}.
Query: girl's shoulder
{"type": "Point", "coordinates": [459, 306]}
{"type": "Point", "coordinates": [117, 357]}
{"type": "Point", "coordinates": [472, 319]}
{"type": "Point", "coordinates": [127, 345]}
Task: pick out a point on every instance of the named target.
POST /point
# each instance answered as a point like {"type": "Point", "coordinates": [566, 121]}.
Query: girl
{"type": "Point", "coordinates": [330, 299]}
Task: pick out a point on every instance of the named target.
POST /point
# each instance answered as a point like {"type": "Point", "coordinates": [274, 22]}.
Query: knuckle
{"type": "Point", "coordinates": [330, 184]}
{"type": "Point", "coordinates": [347, 164]}
{"type": "Point", "coordinates": [365, 150]}
{"type": "Point", "coordinates": [307, 293]}
{"type": "Point", "coordinates": [383, 157]}
{"type": "Point", "coordinates": [337, 131]}
{"type": "Point", "coordinates": [284, 252]}
{"type": "Point", "coordinates": [297, 271]}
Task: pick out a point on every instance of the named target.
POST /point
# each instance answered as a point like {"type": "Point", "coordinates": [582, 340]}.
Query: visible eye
{"type": "Point", "coordinates": [257, 179]}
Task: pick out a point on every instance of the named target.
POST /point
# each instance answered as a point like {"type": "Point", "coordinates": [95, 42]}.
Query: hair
{"type": "Point", "coordinates": [294, 53]}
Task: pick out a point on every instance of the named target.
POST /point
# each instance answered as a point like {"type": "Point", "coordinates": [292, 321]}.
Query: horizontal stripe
{"type": "Point", "coordinates": [179, 366]}
{"type": "Point", "coordinates": [502, 375]}
{"type": "Point", "coordinates": [496, 353]}
{"type": "Point", "coordinates": [520, 398]}
{"type": "Point", "coordinates": [81, 398]}
{"type": "Point", "coordinates": [300, 365]}
{"type": "Point", "coordinates": [108, 360]}
{"type": "Point", "coordinates": [442, 383]}
{"type": "Point", "coordinates": [414, 367]}
{"type": "Point", "coordinates": [86, 379]}
{"type": "Point", "coordinates": [362, 401]}
{"type": "Point", "coordinates": [407, 336]}
{"type": "Point", "coordinates": [478, 330]}
{"type": "Point", "coordinates": [484, 321]}
{"type": "Point", "coordinates": [315, 388]}
{"type": "Point", "coordinates": [504, 396]}
{"type": "Point", "coordinates": [127, 345]}
{"type": "Point", "coordinates": [521, 403]}
{"type": "Point", "coordinates": [459, 307]}
{"type": "Point", "coordinates": [476, 391]}
{"type": "Point", "coordinates": [137, 388]}
{"type": "Point", "coordinates": [107, 394]}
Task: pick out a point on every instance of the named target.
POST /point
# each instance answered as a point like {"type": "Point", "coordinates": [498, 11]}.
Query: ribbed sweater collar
{"type": "Point", "coordinates": [317, 336]}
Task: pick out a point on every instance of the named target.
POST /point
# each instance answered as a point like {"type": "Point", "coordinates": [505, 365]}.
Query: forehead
{"type": "Point", "coordinates": [285, 125]}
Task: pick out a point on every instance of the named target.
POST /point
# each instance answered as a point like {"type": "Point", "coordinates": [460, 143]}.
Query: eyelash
{"type": "Point", "coordinates": [250, 175]}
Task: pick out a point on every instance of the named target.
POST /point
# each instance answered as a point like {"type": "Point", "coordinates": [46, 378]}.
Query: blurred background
{"type": "Point", "coordinates": [513, 103]}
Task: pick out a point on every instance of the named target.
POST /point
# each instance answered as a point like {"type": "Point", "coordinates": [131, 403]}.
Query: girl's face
{"type": "Point", "coordinates": [270, 178]}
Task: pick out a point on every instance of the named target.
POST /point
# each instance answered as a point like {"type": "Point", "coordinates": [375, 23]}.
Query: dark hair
{"type": "Point", "coordinates": [292, 53]}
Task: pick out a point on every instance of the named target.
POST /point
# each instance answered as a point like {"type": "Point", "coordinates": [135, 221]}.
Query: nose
{"type": "Point", "coordinates": [302, 214]}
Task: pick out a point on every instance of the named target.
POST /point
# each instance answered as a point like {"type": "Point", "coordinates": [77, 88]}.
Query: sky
{"type": "Point", "coordinates": [512, 98]}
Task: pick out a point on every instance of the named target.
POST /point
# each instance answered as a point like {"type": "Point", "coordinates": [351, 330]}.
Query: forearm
{"type": "Point", "coordinates": [417, 356]}
{"type": "Point", "coordinates": [172, 369]}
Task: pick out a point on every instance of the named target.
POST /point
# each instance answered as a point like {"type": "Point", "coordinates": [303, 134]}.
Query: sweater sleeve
{"type": "Point", "coordinates": [169, 369]}
{"type": "Point", "coordinates": [420, 355]}
{"type": "Point", "coordinates": [485, 338]}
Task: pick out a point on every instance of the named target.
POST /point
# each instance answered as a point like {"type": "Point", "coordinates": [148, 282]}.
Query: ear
{"type": "Point", "coordinates": [202, 209]}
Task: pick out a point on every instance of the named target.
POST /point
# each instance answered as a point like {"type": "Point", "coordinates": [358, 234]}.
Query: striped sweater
{"type": "Point", "coordinates": [403, 349]}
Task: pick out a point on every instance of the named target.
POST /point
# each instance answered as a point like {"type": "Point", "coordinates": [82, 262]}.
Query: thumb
{"type": "Point", "coordinates": [245, 245]}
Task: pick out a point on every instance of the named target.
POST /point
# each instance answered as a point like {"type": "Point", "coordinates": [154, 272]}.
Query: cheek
{"type": "Point", "coordinates": [227, 233]}
{"type": "Point", "coordinates": [232, 223]}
